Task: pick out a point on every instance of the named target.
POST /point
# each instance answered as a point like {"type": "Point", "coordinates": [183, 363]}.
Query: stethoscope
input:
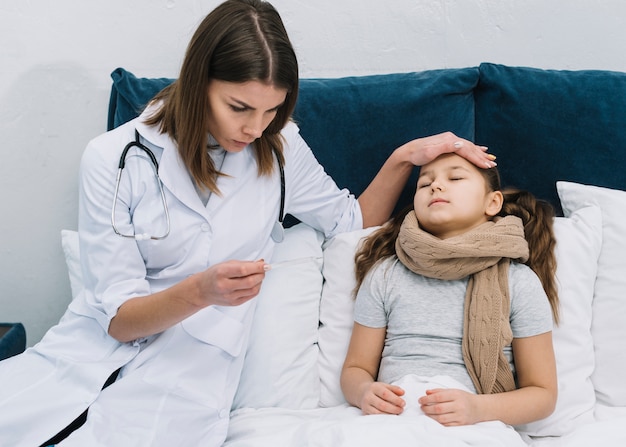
{"type": "Point", "coordinates": [278, 231]}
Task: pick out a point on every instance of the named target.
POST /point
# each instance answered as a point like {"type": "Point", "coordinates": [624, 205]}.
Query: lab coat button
{"type": "Point", "coordinates": [223, 413]}
{"type": "Point", "coordinates": [205, 227]}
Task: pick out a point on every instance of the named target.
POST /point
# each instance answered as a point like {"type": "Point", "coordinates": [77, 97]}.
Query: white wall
{"type": "Point", "coordinates": [56, 57]}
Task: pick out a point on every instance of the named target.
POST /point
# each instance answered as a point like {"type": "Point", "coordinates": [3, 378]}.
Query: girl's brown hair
{"type": "Point", "coordinates": [537, 217]}
{"type": "Point", "coordinates": [239, 41]}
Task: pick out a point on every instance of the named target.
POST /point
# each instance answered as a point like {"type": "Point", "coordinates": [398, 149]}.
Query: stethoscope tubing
{"type": "Point", "coordinates": [155, 163]}
{"type": "Point", "coordinates": [277, 232]}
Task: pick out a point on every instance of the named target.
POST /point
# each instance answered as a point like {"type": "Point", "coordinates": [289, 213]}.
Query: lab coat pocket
{"type": "Point", "coordinates": [213, 326]}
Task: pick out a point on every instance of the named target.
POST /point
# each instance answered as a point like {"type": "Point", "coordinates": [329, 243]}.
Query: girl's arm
{"type": "Point", "coordinates": [360, 369]}
{"type": "Point", "coordinates": [380, 197]}
{"type": "Point", "coordinates": [534, 399]}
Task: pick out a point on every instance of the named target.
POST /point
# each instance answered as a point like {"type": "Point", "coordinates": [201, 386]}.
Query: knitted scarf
{"type": "Point", "coordinates": [484, 253]}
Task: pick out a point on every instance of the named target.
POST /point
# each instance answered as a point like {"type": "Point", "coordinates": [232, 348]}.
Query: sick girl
{"type": "Point", "coordinates": [458, 296]}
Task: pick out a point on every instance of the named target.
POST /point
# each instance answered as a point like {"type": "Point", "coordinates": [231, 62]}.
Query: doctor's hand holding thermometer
{"type": "Point", "coordinates": [229, 283]}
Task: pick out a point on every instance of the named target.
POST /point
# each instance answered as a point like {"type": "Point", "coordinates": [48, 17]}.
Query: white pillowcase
{"type": "Point", "coordinates": [609, 304]}
{"type": "Point", "coordinates": [336, 312]}
{"type": "Point", "coordinates": [280, 369]}
{"type": "Point", "coordinates": [579, 240]}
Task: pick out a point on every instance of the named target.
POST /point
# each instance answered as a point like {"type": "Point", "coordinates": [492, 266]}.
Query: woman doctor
{"type": "Point", "coordinates": [172, 307]}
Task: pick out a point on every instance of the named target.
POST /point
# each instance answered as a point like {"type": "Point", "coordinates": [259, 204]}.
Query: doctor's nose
{"type": "Point", "coordinates": [254, 128]}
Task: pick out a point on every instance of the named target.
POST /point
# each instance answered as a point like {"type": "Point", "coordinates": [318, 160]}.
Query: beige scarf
{"type": "Point", "coordinates": [484, 253]}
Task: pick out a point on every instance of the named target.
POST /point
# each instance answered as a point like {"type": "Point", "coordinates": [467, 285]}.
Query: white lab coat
{"type": "Point", "coordinates": [175, 388]}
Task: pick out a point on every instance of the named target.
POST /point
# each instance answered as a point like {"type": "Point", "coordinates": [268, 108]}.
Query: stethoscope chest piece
{"type": "Point", "coordinates": [278, 232]}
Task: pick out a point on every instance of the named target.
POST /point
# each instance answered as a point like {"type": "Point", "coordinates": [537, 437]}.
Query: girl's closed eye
{"type": "Point", "coordinates": [424, 180]}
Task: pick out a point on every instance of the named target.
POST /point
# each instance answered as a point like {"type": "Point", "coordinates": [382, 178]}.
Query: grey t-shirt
{"type": "Point", "coordinates": [424, 318]}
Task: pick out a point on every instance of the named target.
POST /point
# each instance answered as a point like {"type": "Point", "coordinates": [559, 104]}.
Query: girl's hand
{"type": "Point", "coordinates": [450, 407]}
{"type": "Point", "coordinates": [382, 398]}
{"type": "Point", "coordinates": [425, 150]}
{"type": "Point", "coordinates": [231, 283]}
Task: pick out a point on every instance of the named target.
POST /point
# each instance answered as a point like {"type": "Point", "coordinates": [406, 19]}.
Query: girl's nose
{"type": "Point", "coordinates": [436, 185]}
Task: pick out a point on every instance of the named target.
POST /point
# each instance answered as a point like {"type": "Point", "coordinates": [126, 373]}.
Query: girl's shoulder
{"type": "Point", "coordinates": [524, 282]}
{"type": "Point", "coordinates": [519, 271]}
{"type": "Point", "coordinates": [387, 268]}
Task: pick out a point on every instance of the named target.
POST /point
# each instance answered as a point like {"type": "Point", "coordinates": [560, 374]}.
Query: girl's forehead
{"type": "Point", "coordinates": [446, 162]}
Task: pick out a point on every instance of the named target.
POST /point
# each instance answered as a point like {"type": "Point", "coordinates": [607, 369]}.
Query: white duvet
{"type": "Point", "coordinates": [346, 426]}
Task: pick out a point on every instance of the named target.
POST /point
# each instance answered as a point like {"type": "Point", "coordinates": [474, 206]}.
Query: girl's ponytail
{"type": "Point", "coordinates": [538, 218]}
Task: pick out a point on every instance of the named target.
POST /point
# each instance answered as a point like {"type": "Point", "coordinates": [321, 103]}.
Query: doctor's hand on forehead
{"type": "Point", "coordinates": [425, 150]}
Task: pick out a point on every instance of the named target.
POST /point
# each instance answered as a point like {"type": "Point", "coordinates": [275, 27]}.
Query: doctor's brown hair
{"type": "Point", "coordinates": [536, 215]}
{"type": "Point", "coordinates": [239, 41]}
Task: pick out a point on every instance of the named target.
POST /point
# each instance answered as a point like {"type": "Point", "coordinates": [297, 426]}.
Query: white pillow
{"type": "Point", "coordinates": [69, 242]}
{"type": "Point", "coordinates": [336, 312]}
{"type": "Point", "coordinates": [609, 304]}
{"type": "Point", "coordinates": [280, 369]}
{"type": "Point", "coordinates": [579, 240]}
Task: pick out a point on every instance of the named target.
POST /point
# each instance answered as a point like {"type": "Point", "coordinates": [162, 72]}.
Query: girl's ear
{"type": "Point", "coordinates": [495, 200]}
